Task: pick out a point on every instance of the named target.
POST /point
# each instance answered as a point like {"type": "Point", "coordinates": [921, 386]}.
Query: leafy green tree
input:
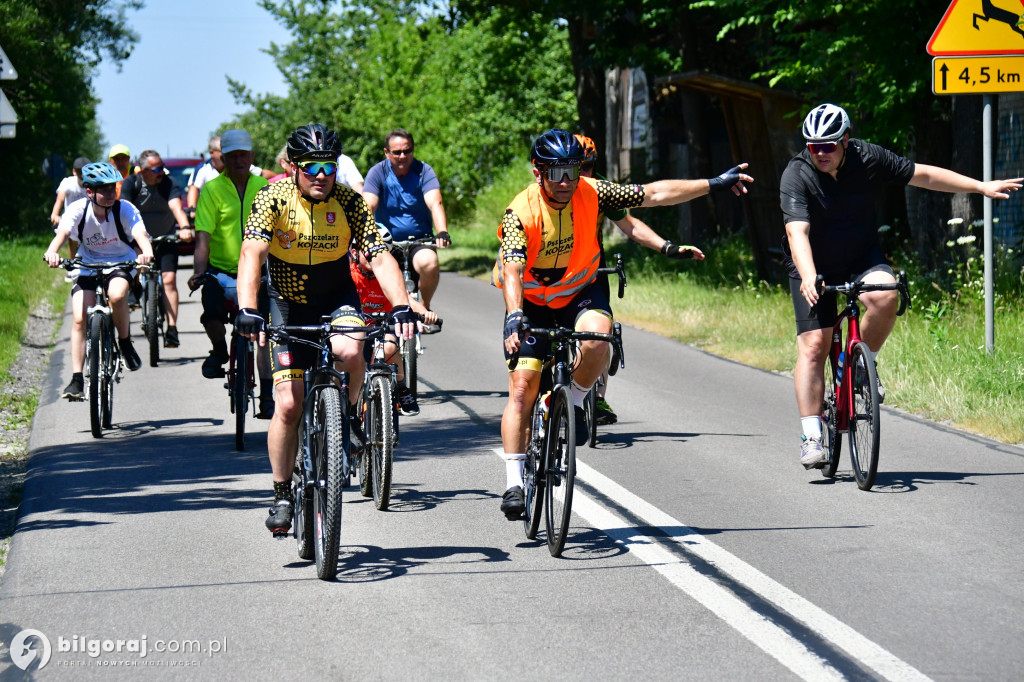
{"type": "Point", "coordinates": [54, 45]}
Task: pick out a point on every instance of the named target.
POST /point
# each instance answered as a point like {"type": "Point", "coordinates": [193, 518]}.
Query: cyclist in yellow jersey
{"type": "Point", "coordinates": [549, 260]}
{"type": "Point", "coordinates": [302, 228]}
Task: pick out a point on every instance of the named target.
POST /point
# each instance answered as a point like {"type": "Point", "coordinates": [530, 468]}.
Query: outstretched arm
{"type": "Point", "coordinates": [642, 234]}
{"type": "Point", "coordinates": [944, 180]}
{"type": "Point", "coordinates": [671, 192]}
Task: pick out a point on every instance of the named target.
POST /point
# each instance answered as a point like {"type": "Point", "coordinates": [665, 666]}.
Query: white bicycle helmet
{"type": "Point", "coordinates": [384, 232]}
{"type": "Point", "coordinates": [826, 123]}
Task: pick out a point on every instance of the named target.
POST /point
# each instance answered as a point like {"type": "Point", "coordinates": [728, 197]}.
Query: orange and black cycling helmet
{"type": "Point", "coordinates": [589, 148]}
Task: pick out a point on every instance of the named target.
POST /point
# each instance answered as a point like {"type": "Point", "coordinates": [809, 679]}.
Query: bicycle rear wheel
{"type": "Point", "coordinates": [363, 461]}
{"type": "Point", "coordinates": [239, 379]}
{"type": "Point", "coordinates": [865, 427]}
{"type": "Point", "coordinates": [329, 450]}
{"type": "Point", "coordinates": [96, 369]}
{"type": "Point", "coordinates": [831, 439]}
{"type": "Point", "coordinates": [559, 469]}
{"type": "Point", "coordinates": [151, 317]}
{"type": "Point", "coordinates": [380, 437]}
{"type": "Point", "coordinates": [303, 514]}
{"type": "Point", "coordinates": [590, 411]}
{"type": "Point", "coordinates": [409, 361]}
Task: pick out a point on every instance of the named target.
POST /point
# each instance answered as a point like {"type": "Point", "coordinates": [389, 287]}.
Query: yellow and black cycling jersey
{"type": "Point", "coordinates": [559, 248]}
{"type": "Point", "coordinates": [309, 240]}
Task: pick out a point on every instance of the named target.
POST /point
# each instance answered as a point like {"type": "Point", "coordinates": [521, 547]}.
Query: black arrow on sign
{"type": "Point", "coordinates": [944, 69]}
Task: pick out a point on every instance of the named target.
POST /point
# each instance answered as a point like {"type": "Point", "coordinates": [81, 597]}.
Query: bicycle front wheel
{"type": "Point", "coordinates": [97, 330]}
{"type": "Point", "coordinates": [831, 439]}
{"type": "Point", "coordinates": [150, 318]}
{"type": "Point", "coordinates": [590, 410]}
{"type": "Point", "coordinates": [328, 453]}
{"type": "Point", "coordinates": [363, 461]}
{"type": "Point", "coordinates": [303, 515]}
{"type": "Point", "coordinates": [864, 416]}
{"type": "Point", "coordinates": [240, 386]}
{"type": "Point", "coordinates": [409, 360]}
{"type": "Point", "coordinates": [111, 361]}
{"type": "Point", "coordinates": [559, 469]}
{"type": "Point", "coordinates": [381, 439]}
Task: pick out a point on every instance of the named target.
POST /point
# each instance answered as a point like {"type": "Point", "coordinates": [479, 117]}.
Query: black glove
{"type": "Point", "coordinates": [445, 237]}
{"type": "Point", "coordinates": [249, 321]}
{"type": "Point", "coordinates": [403, 314]}
{"type": "Point", "coordinates": [513, 323]}
{"type": "Point", "coordinates": [725, 180]}
{"type": "Point", "coordinates": [672, 251]}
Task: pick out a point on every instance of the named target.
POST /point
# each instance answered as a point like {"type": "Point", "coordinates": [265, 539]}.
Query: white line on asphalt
{"type": "Point", "coordinates": [771, 638]}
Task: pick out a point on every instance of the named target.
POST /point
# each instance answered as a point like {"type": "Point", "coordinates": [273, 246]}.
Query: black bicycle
{"type": "Point", "coordinates": [102, 353]}
{"type": "Point", "coordinates": [378, 407]}
{"type": "Point", "coordinates": [549, 473]}
{"type": "Point", "coordinates": [322, 461]}
{"type": "Point", "coordinates": [413, 348]}
{"type": "Point", "coordinates": [154, 322]}
{"type": "Point", "coordinates": [617, 359]}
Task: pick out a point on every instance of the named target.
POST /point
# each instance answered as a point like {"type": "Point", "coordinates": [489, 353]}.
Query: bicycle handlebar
{"type": "Point", "coordinates": [385, 317]}
{"type": "Point", "coordinates": [566, 334]}
{"type": "Point", "coordinates": [853, 290]}
{"type": "Point", "coordinates": [324, 330]}
{"type": "Point", "coordinates": [406, 244]}
{"type": "Point", "coordinates": [619, 270]}
{"type": "Point", "coordinates": [72, 263]}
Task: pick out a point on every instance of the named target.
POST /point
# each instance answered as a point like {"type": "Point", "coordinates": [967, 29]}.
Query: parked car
{"type": "Point", "coordinates": [181, 169]}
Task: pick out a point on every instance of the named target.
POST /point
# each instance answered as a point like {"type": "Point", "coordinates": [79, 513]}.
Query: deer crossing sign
{"type": "Point", "coordinates": [979, 27]}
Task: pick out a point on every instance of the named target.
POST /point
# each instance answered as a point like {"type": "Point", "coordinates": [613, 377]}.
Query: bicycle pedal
{"type": "Point", "coordinates": [281, 534]}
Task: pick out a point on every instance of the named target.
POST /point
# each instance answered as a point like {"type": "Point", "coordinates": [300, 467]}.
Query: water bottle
{"type": "Point", "coordinates": [839, 368]}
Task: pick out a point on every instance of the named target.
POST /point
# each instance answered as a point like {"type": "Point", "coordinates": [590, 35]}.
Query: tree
{"type": "Point", "coordinates": [55, 45]}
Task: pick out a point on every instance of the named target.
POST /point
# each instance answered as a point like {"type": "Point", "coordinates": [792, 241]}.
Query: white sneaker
{"type": "Point", "coordinates": [812, 456]}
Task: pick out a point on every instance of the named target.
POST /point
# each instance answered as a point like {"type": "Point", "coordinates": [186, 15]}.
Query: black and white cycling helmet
{"type": "Point", "coordinates": [557, 148]}
{"type": "Point", "coordinates": [314, 142]}
{"type": "Point", "coordinates": [99, 174]}
{"type": "Point", "coordinates": [826, 123]}
{"type": "Point", "coordinates": [384, 232]}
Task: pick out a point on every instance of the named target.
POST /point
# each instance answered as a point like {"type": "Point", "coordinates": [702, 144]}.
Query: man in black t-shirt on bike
{"type": "Point", "coordinates": [828, 192]}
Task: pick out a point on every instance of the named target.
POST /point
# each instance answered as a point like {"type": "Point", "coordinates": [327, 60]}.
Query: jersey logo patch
{"type": "Point", "coordinates": [285, 238]}
{"type": "Point", "coordinates": [285, 359]}
{"type": "Point", "coordinates": [330, 217]}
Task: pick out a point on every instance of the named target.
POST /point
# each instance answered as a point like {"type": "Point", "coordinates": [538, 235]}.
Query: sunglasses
{"type": "Point", "coordinates": [315, 168]}
{"type": "Point", "coordinates": [822, 147]}
{"type": "Point", "coordinates": [400, 152]}
{"type": "Point", "coordinates": [558, 173]}
{"type": "Point", "coordinates": [157, 169]}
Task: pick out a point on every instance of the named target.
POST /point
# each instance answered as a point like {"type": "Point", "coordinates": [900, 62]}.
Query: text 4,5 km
{"type": "Point", "coordinates": [977, 75]}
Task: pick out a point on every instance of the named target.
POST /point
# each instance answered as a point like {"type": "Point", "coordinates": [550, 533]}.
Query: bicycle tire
{"type": "Point", "coordinates": [865, 428]}
{"type": "Point", "coordinates": [831, 439]}
{"type": "Point", "coordinates": [95, 352]}
{"type": "Point", "coordinates": [381, 440]}
{"type": "Point", "coordinates": [410, 360]}
{"type": "Point", "coordinates": [363, 461]}
{"type": "Point", "coordinates": [302, 517]}
{"type": "Point", "coordinates": [151, 318]}
{"type": "Point", "coordinates": [533, 489]}
{"type": "Point", "coordinates": [590, 411]}
{"type": "Point", "coordinates": [111, 363]}
{"type": "Point", "coordinates": [240, 387]}
{"type": "Point", "coordinates": [328, 470]}
{"type": "Point", "coordinates": [559, 469]}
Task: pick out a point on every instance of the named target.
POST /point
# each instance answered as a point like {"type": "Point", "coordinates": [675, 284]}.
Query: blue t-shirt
{"type": "Point", "coordinates": [401, 207]}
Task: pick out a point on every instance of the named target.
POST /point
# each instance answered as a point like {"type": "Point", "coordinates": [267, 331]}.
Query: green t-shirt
{"type": "Point", "coordinates": [223, 215]}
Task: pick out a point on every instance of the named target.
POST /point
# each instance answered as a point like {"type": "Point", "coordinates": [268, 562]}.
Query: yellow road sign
{"type": "Point", "coordinates": [977, 27]}
{"type": "Point", "coordinates": [977, 75]}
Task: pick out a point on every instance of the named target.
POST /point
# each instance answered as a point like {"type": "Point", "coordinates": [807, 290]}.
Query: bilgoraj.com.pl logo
{"type": "Point", "coordinates": [29, 646]}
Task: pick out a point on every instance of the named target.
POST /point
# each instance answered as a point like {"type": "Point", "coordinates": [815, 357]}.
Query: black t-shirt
{"type": "Point", "coordinates": [151, 200]}
{"type": "Point", "coordinates": [841, 211]}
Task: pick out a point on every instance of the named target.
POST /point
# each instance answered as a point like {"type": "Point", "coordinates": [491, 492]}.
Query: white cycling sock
{"type": "Point", "coordinates": [579, 394]}
{"type": "Point", "coordinates": [514, 470]}
{"type": "Point", "coordinates": [812, 427]}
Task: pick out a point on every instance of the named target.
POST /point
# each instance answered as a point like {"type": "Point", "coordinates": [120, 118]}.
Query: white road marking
{"type": "Point", "coordinates": [768, 636]}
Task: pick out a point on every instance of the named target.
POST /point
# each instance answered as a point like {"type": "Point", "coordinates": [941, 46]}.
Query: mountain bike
{"type": "Point", "coordinates": [152, 300]}
{"type": "Point", "coordinates": [322, 460]}
{"type": "Point", "coordinates": [851, 403]}
{"type": "Point", "coordinates": [241, 374]}
{"type": "Point", "coordinates": [102, 352]}
{"type": "Point", "coordinates": [412, 349]}
{"type": "Point", "coordinates": [618, 359]}
{"type": "Point", "coordinates": [549, 472]}
{"type": "Point", "coordinates": [378, 408]}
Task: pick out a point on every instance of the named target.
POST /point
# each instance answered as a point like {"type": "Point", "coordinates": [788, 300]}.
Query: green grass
{"type": "Point", "coordinates": [934, 364]}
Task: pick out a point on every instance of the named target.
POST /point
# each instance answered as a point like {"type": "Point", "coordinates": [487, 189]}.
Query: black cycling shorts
{"type": "Point", "coordinates": [826, 310]}
{"type": "Point", "coordinates": [534, 349]}
{"type": "Point", "coordinates": [88, 282]}
{"type": "Point", "coordinates": [290, 360]}
{"type": "Point", "coordinates": [166, 254]}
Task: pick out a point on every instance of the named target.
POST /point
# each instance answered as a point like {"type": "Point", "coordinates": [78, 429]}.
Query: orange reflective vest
{"type": "Point", "coordinates": [562, 251]}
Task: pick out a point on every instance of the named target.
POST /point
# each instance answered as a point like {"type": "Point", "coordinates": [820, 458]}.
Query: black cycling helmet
{"type": "Point", "coordinates": [314, 142]}
{"type": "Point", "coordinates": [557, 148]}
{"type": "Point", "coordinates": [99, 174]}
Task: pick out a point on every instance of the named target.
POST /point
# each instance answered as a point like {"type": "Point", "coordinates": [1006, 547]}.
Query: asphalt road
{"type": "Point", "coordinates": [700, 548]}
